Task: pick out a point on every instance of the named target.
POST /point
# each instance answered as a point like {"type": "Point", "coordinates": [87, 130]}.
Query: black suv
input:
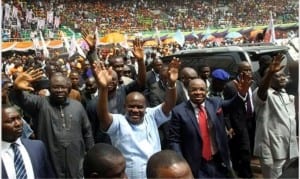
{"type": "Point", "coordinates": [228, 57]}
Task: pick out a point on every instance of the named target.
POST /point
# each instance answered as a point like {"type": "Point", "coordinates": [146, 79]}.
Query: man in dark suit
{"type": "Point", "coordinates": [34, 155]}
{"type": "Point", "coordinates": [242, 122]}
{"type": "Point", "coordinates": [158, 93]}
{"type": "Point", "coordinates": [197, 131]}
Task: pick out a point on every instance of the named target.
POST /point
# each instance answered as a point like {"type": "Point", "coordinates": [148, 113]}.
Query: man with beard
{"type": "Point", "coordinates": [135, 134]}
{"type": "Point", "coordinates": [61, 123]}
{"type": "Point", "coordinates": [275, 136]}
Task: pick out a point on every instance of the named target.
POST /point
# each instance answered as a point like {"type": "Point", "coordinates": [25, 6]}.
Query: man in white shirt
{"type": "Point", "coordinates": [33, 152]}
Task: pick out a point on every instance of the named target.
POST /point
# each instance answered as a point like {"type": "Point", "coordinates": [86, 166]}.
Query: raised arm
{"type": "Point", "coordinates": [266, 81]}
{"type": "Point", "coordinates": [91, 41]}
{"type": "Point", "coordinates": [138, 53]}
{"type": "Point", "coordinates": [243, 84]}
{"type": "Point", "coordinates": [103, 77]}
{"type": "Point", "coordinates": [170, 100]}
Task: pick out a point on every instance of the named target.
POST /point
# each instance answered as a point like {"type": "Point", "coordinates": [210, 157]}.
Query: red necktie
{"type": "Point", "coordinates": [203, 126]}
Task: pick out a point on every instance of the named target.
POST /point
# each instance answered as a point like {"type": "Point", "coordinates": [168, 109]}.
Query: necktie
{"type": "Point", "coordinates": [248, 107]}
{"type": "Point", "coordinates": [19, 163]}
{"type": "Point", "coordinates": [203, 126]}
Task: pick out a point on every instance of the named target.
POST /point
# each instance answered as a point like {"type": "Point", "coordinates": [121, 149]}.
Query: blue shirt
{"type": "Point", "coordinates": [137, 142]}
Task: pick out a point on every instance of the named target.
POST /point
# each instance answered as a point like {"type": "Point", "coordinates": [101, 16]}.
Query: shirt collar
{"type": "Point", "coordinates": [277, 91]}
{"type": "Point", "coordinates": [6, 145]}
{"type": "Point", "coordinates": [196, 106]}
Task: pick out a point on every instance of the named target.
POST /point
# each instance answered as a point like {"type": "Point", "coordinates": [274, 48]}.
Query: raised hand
{"type": "Point", "coordinates": [275, 64]}
{"type": "Point", "coordinates": [89, 39]}
{"type": "Point", "coordinates": [24, 79]}
{"type": "Point", "coordinates": [138, 50]}
{"type": "Point", "coordinates": [102, 75]}
{"type": "Point", "coordinates": [173, 71]}
{"type": "Point", "coordinates": [243, 84]}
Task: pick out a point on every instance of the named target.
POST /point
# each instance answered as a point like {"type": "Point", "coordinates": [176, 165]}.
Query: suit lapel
{"type": "Point", "coordinates": [3, 174]}
{"type": "Point", "coordinates": [191, 115]}
{"type": "Point", "coordinates": [210, 111]}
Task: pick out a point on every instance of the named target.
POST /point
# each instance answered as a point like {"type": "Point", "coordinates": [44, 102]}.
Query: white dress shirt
{"type": "Point", "coordinates": [7, 155]}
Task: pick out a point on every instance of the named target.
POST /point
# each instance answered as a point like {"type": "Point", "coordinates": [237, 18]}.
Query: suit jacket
{"type": "Point", "coordinates": [158, 93]}
{"type": "Point", "coordinates": [184, 135]}
{"type": "Point", "coordinates": [38, 154]}
{"type": "Point", "coordinates": [150, 78]}
{"type": "Point", "coordinates": [236, 113]}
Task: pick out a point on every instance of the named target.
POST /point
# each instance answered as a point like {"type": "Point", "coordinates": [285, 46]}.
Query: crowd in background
{"type": "Point", "coordinates": [137, 16]}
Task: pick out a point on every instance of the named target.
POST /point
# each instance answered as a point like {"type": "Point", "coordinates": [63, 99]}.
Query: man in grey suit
{"type": "Point", "coordinates": [275, 137]}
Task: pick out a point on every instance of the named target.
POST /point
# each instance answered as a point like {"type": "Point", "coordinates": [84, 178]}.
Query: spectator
{"type": "Point", "coordinates": [104, 161]}
{"type": "Point", "coordinates": [135, 134]}
{"type": "Point", "coordinates": [204, 73]}
{"type": "Point", "coordinates": [242, 121]}
{"type": "Point", "coordinates": [90, 91]}
{"type": "Point", "coordinates": [116, 94]}
{"type": "Point", "coordinates": [275, 136]}
{"type": "Point", "coordinates": [186, 75]}
{"type": "Point", "coordinates": [168, 164]}
{"type": "Point", "coordinates": [37, 163]}
{"type": "Point", "coordinates": [61, 123]}
{"type": "Point", "coordinates": [197, 131]}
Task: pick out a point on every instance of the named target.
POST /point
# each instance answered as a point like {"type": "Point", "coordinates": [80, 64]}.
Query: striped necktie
{"type": "Point", "coordinates": [19, 163]}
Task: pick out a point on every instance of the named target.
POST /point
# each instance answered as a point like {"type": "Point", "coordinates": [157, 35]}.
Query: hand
{"type": "Point", "coordinates": [138, 50]}
{"type": "Point", "coordinates": [89, 39]}
{"type": "Point", "coordinates": [244, 83]}
{"type": "Point", "coordinates": [275, 64]}
{"type": "Point", "coordinates": [174, 70]}
{"type": "Point", "coordinates": [102, 75]}
{"type": "Point", "coordinates": [24, 79]}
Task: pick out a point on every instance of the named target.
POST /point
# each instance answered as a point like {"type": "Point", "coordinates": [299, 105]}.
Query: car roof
{"type": "Point", "coordinates": [250, 49]}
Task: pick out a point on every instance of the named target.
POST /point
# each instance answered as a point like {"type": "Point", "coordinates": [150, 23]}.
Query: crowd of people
{"type": "Point", "coordinates": [122, 116]}
{"type": "Point", "coordinates": [138, 16]}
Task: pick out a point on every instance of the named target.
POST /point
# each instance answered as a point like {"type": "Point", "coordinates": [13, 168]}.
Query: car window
{"type": "Point", "coordinates": [225, 60]}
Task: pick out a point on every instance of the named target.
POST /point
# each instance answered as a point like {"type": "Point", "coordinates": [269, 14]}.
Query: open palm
{"type": "Point", "coordinates": [24, 79]}
{"type": "Point", "coordinates": [103, 75]}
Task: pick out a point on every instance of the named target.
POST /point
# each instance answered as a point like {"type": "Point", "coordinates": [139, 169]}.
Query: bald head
{"type": "Point", "coordinates": [168, 164]}
{"type": "Point", "coordinates": [104, 161]}
{"type": "Point", "coordinates": [187, 74]}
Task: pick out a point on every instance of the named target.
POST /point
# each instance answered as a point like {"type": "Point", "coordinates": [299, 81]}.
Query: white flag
{"type": "Point", "coordinates": [270, 32]}
{"type": "Point", "coordinates": [29, 14]}
{"type": "Point", "coordinates": [45, 50]}
{"type": "Point", "coordinates": [50, 17]}
{"type": "Point", "coordinates": [72, 49]}
{"type": "Point", "coordinates": [66, 41]}
{"type": "Point", "coordinates": [41, 23]}
{"type": "Point", "coordinates": [18, 24]}
{"type": "Point", "coordinates": [35, 41]}
{"type": "Point", "coordinates": [7, 11]}
{"type": "Point", "coordinates": [56, 21]}
{"type": "Point", "coordinates": [14, 13]}
{"type": "Point", "coordinates": [79, 49]}
{"type": "Point", "coordinates": [157, 36]}
{"type": "Point", "coordinates": [97, 37]}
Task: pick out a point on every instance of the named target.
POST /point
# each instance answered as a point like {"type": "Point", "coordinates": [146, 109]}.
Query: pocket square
{"type": "Point", "coordinates": [219, 111]}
